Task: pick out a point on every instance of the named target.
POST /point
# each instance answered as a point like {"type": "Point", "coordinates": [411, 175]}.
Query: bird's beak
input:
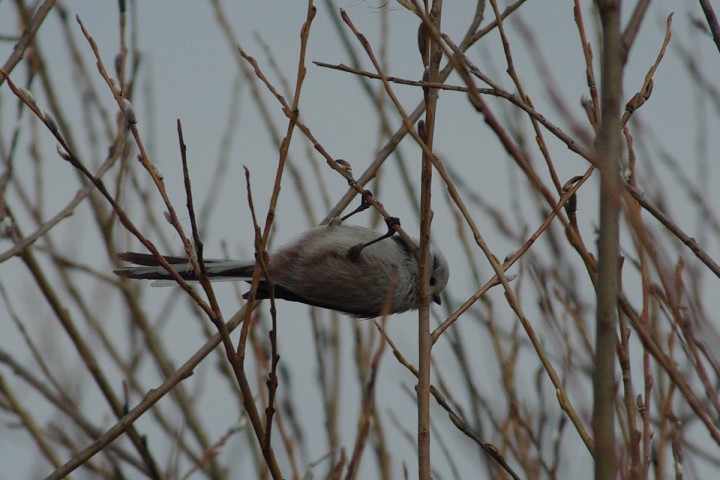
{"type": "Point", "coordinates": [437, 299]}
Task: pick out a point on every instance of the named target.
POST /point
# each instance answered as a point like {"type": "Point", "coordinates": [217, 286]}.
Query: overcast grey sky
{"type": "Point", "coordinates": [189, 71]}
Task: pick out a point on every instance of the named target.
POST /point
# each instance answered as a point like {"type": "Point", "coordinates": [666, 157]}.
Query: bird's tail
{"type": "Point", "coordinates": [148, 268]}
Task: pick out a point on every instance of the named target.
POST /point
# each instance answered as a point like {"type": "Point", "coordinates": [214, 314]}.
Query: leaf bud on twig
{"type": "Point", "coordinates": [50, 121]}
{"type": "Point", "coordinates": [28, 95]}
{"type": "Point", "coordinates": [158, 173]}
{"type": "Point", "coordinates": [63, 154]}
{"type": "Point", "coordinates": [129, 112]}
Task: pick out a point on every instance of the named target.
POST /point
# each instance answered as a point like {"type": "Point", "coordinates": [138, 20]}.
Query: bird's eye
{"type": "Point", "coordinates": [432, 281]}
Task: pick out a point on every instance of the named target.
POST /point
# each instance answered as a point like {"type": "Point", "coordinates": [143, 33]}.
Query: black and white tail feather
{"type": "Point", "coordinates": [148, 268]}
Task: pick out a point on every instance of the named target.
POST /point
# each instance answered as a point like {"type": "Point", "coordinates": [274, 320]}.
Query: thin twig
{"type": "Point", "coordinates": [712, 21]}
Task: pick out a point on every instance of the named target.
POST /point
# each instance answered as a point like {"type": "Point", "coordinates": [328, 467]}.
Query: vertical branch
{"type": "Point", "coordinates": [607, 149]}
{"type": "Point", "coordinates": [261, 253]}
{"type": "Point", "coordinates": [432, 54]}
{"type": "Point", "coordinates": [368, 400]}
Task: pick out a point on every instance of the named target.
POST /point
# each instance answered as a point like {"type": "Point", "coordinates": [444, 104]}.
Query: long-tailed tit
{"type": "Point", "coordinates": [323, 267]}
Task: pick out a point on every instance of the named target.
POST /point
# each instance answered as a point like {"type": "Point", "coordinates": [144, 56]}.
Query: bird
{"type": "Point", "coordinates": [346, 268]}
